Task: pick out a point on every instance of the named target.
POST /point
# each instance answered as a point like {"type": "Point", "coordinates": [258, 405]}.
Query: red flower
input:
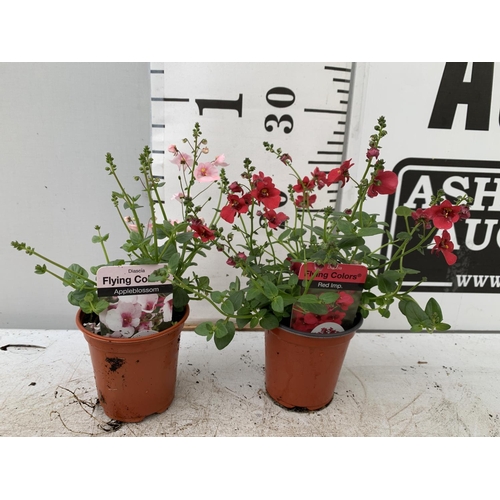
{"type": "Point", "coordinates": [420, 216]}
{"type": "Point", "coordinates": [384, 182]}
{"type": "Point", "coordinates": [236, 206]}
{"type": "Point", "coordinates": [235, 187]}
{"type": "Point", "coordinates": [304, 322]}
{"type": "Point", "coordinates": [305, 201]}
{"type": "Point", "coordinates": [275, 219]}
{"type": "Point", "coordinates": [319, 177]}
{"type": "Point", "coordinates": [294, 266]}
{"type": "Point", "coordinates": [372, 153]}
{"type": "Point", "coordinates": [203, 232]}
{"type": "Point", "coordinates": [304, 185]}
{"type": "Point", "coordinates": [445, 246]}
{"type": "Point", "coordinates": [265, 192]}
{"type": "Point", "coordinates": [340, 174]}
{"type": "Point", "coordinates": [344, 301]}
{"type": "Point", "coordinates": [233, 261]}
{"type": "Point", "coordinates": [444, 215]}
{"type": "Point", "coordinates": [333, 316]}
{"type": "Point", "coordinates": [464, 212]}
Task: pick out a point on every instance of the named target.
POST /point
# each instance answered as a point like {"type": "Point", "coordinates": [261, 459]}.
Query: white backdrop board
{"type": "Point", "coordinates": [299, 107]}
{"type": "Point", "coordinates": [443, 130]}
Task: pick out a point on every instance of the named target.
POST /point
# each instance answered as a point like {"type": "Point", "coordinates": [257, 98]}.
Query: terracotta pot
{"type": "Point", "coordinates": [135, 377]}
{"type": "Point", "coordinates": [302, 369]}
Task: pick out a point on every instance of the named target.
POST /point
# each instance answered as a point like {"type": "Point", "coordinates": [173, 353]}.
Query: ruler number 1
{"type": "Point", "coordinates": [287, 99]}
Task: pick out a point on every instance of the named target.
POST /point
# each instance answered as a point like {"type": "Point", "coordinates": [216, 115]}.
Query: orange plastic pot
{"type": "Point", "coordinates": [302, 369]}
{"type": "Point", "coordinates": [135, 377]}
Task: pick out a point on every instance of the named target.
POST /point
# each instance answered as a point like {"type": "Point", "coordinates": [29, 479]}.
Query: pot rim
{"type": "Point", "coordinates": [80, 326]}
{"type": "Point", "coordinates": [357, 325]}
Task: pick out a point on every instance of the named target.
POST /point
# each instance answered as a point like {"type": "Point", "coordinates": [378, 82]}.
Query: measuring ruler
{"type": "Point", "coordinates": [299, 107]}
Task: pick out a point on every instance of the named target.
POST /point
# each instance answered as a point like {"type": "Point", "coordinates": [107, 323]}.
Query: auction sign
{"type": "Point", "coordinates": [443, 133]}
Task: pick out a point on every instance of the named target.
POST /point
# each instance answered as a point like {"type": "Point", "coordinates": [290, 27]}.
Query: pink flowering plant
{"type": "Point", "coordinates": [151, 238]}
{"type": "Point", "coordinates": [268, 246]}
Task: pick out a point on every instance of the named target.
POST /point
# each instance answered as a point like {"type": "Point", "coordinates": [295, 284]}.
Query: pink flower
{"type": "Point", "coordinates": [178, 196]}
{"type": "Point", "coordinates": [124, 318]}
{"type": "Point", "coordinates": [206, 172]}
{"type": "Point", "coordinates": [183, 160]}
{"type": "Point", "coordinates": [167, 309]}
{"type": "Point", "coordinates": [147, 302]}
{"type": "Point", "coordinates": [173, 149]}
{"type": "Point", "coordinates": [285, 157]}
{"type": "Point", "coordinates": [220, 161]}
{"type": "Point", "coordinates": [372, 153]}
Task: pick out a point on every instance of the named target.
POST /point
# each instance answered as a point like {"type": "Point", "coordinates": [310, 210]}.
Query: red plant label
{"type": "Point", "coordinates": [338, 289]}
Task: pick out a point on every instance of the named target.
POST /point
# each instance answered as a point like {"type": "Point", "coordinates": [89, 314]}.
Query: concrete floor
{"type": "Point", "coordinates": [397, 384]}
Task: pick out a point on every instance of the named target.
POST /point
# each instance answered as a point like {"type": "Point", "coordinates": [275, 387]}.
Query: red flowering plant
{"type": "Point", "coordinates": [171, 247]}
{"type": "Point", "coordinates": [281, 256]}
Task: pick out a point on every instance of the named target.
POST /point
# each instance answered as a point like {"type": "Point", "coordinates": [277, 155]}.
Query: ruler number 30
{"type": "Point", "coordinates": [279, 97]}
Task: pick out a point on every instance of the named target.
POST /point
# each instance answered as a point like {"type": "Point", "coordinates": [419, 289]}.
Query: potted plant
{"type": "Point", "coordinates": [132, 309]}
{"type": "Point", "coordinates": [311, 277]}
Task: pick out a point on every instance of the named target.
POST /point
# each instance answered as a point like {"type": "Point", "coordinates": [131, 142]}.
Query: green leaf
{"type": "Point", "coordinates": [136, 238]}
{"type": "Point", "coordinates": [101, 306]}
{"type": "Point", "coordinates": [98, 239]}
{"type": "Point", "coordinates": [315, 308]}
{"type": "Point", "coordinates": [345, 227]}
{"type": "Point", "coordinates": [369, 231]}
{"type": "Point", "coordinates": [329, 297]}
{"type": "Point", "coordinates": [433, 310]}
{"type": "Point", "coordinates": [403, 235]}
{"type": "Point", "coordinates": [415, 315]}
{"type": "Point", "coordinates": [269, 321]}
{"type": "Point", "coordinates": [308, 299]}
{"type": "Point", "coordinates": [270, 290]}
{"type": "Point", "coordinates": [350, 241]}
{"type": "Point", "coordinates": [443, 327]}
{"type": "Point", "coordinates": [204, 329]}
{"type": "Point", "coordinates": [173, 262]}
{"type": "Point", "coordinates": [403, 211]}
{"type": "Point", "coordinates": [407, 270]}
{"type": "Point", "coordinates": [181, 298]}
{"type": "Point", "coordinates": [70, 276]}
{"type": "Point", "coordinates": [387, 281]}
{"type": "Point", "coordinates": [285, 234]}
{"type": "Point", "coordinates": [227, 307]}
{"type": "Point", "coordinates": [277, 304]}
{"type": "Point", "coordinates": [237, 299]}
{"type": "Point", "coordinates": [217, 297]}
{"type": "Point", "coordinates": [223, 342]}
{"type": "Point", "coordinates": [184, 237]}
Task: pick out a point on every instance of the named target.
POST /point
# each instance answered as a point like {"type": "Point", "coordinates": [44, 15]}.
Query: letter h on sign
{"type": "Point", "coordinates": [453, 91]}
